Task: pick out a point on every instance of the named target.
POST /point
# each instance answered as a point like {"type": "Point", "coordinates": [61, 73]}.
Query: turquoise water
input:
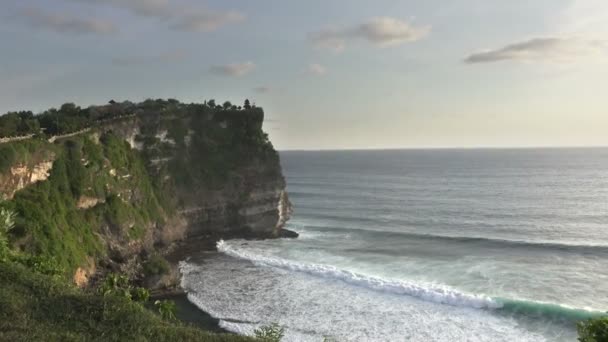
{"type": "Point", "coordinates": [424, 245]}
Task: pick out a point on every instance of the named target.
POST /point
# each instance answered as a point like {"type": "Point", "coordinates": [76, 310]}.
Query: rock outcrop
{"type": "Point", "coordinates": [132, 185]}
{"type": "Point", "coordinates": [23, 174]}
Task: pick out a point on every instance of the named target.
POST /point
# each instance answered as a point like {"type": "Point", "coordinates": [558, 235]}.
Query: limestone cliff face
{"type": "Point", "coordinates": [23, 174]}
{"type": "Point", "coordinates": [115, 192]}
{"type": "Point", "coordinates": [225, 181]}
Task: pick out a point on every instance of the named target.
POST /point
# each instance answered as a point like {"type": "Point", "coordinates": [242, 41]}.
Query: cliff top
{"type": "Point", "coordinates": [70, 118]}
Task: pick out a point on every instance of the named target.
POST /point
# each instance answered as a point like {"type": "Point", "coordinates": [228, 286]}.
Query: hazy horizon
{"type": "Point", "coordinates": [331, 75]}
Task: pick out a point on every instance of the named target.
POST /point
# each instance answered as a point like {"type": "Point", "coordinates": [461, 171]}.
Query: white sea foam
{"type": "Point", "coordinates": [435, 294]}
{"type": "Point", "coordinates": [245, 296]}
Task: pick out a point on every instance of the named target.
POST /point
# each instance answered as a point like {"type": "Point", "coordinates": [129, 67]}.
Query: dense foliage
{"type": "Point", "coordinates": [22, 152]}
{"type": "Point", "coordinates": [595, 330]}
{"type": "Point", "coordinates": [271, 333]}
{"type": "Point", "coordinates": [101, 192]}
{"type": "Point", "coordinates": [7, 222]}
{"type": "Point", "coordinates": [36, 307]}
{"type": "Point", "coordinates": [49, 223]}
{"type": "Point", "coordinates": [71, 118]}
{"type": "Point", "coordinates": [156, 265]}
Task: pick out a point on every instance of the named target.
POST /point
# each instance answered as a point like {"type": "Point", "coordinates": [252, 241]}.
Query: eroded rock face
{"type": "Point", "coordinates": [85, 202]}
{"type": "Point", "coordinates": [237, 187]}
{"type": "Point", "coordinates": [22, 175]}
{"type": "Point", "coordinates": [82, 275]}
{"type": "Point", "coordinates": [257, 206]}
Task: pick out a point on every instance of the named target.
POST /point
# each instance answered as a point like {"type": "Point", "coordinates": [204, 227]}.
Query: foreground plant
{"type": "Point", "coordinates": [270, 333]}
{"type": "Point", "coordinates": [595, 330]}
{"type": "Point", "coordinates": [7, 222]}
{"type": "Point", "coordinates": [166, 309]}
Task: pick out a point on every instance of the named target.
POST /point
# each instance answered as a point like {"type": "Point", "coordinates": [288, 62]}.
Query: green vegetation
{"type": "Point", "coordinates": [22, 152]}
{"type": "Point", "coordinates": [166, 309]}
{"type": "Point", "coordinates": [50, 223]}
{"type": "Point", "coordinates": [156, 265]}
{"type": "Point", "coordinates": [70, 118]}
{"type": "Point", "coordinates": [36, 307]}
{"type": "Point", "coordinates": [101, 193]}
{"type": "Point", "coordinates": [18, 124]}
{"type": "Point", "coordinates": [271, 333]}
{"type": "Point", "coordinates": [595, 330]}
{"type": "Point", "coordinates": [7, 222]}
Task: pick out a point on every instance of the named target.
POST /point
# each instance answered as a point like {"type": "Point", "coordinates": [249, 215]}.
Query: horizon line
{"type": "Point", "coordinates": [445, 148]}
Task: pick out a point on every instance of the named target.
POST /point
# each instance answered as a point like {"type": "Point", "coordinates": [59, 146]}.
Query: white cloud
{"type": "Point", "coordinates": [588, 17]}
{"type": "Point", "coordinates": [262, 89]}
{"type": "Point", "coordinates": [317, 69]}
{"type": "Point", "coordinates": [206, 21]}
{"type": "Point", "coordinates": [167, 57]}
{"type": "Point", "coordinates": [66, 24]}
{"type": "Point", "coordinates": [177, 17]}
{"type": "Point", "coordinates": [234, 70]}
{"type": "Point", "coordinates": [551, 49]}
{"type": "Point", "coordinates": [153, 8]}
{"type": "Point", "coordinates": [380, 31]}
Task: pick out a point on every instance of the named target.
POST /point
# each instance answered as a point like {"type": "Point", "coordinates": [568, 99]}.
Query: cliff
{"type": "Point", "coordinates": [134, 178]}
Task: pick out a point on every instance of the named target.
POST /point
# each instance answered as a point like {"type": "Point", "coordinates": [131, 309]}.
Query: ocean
{"type": "Point", "coordinates": [423, 245]}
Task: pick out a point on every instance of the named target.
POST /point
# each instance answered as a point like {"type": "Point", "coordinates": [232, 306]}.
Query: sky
{"type": "Point", "coordinates": [330, 74]}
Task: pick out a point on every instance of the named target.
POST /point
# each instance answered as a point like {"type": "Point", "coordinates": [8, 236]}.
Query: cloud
{"type": "Point", "coordinates": [380, 31]}
{"type": "Point", "coordinates": [234, 70]}
{"type": "Point", "coordinates": [552, 49]}
{"type": "Point", "coordinates": [317, 69]}
{"type": "Point", "coordinates": [66, 24]}
{"type": "Point", "coordinates": [152, 8]}
{"type": "Point", "coordinates": [167, 57]}
{"type": "Point", "coordinates": [262, 89]}
{"type": "Point", "coordinates": [206, 21]}
{"type": "Point", "coordinates": [178, 18]}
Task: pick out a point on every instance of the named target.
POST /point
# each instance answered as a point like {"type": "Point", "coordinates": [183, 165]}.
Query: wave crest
{"type": "Point", "coordinates": [435, 294]}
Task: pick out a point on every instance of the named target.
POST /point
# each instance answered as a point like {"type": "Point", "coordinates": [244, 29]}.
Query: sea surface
{"type": "Point", "coordinates": [423, 245]}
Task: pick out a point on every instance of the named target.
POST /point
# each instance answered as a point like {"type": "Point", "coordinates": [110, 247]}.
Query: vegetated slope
{"type": "Point", "coordinates": [36, 307]}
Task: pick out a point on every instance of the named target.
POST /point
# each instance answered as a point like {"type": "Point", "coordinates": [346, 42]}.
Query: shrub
{"type": "Point", "coordinates": [166, 309]}
{"type": "Point", "coordinates": [140, 294]}
{"type": "Point", "coordinates": [115, 285]}
{"type": "Point", "coordinates": [156, 265]}
{"type": "Point", "coordinates": [7, 222]}
{"type": "Point", "coordinates": [270, 333]}
{"type": "Point", "coordinates": [40, 264]}
{"type": "Point", "coordinates": [595, 330]}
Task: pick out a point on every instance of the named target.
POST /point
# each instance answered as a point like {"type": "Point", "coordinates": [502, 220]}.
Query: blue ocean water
{"type": "Point", "coordinates": [424, 245]}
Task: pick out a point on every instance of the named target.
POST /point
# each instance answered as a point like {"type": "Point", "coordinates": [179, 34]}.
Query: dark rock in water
{"type": "Point", "coordinates": [288, 234]}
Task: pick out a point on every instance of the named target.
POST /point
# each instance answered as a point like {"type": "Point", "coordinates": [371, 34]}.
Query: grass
{"type": "Point", "coordinates": [49, 223]}
{"type": "Point", "coordinates": [35, 307]}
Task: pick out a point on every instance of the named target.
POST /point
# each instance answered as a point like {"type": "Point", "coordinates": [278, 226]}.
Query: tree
{"type": "Point", "coordinates": [211, 103]}
{"type": "Point", "coordinates": [227, 105]}
{"type": "Point", "coordinates": [247, 104]}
